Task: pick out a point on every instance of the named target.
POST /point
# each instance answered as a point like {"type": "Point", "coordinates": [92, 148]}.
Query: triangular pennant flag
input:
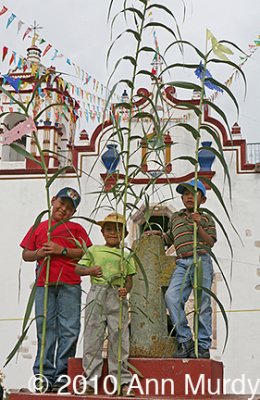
{"type": "Point", "coordinates": [26, 33]}
{"type": "Point", "coordinates": [10, 20]}
{"type": "Point", "coordinates": [20, 24]}
{"type": "Point", "coordinates": [14, 82]}
{"type": "Point", "coordinates": [54, 55]}
{"type": "Point", "coordinates": [5, 51]}
{"type": "Point", "coordinates": [4, 9]}
{"type": "Point", "coordinates": [47, 48]}
{"type": "Point", "coordinates": [11, 59]}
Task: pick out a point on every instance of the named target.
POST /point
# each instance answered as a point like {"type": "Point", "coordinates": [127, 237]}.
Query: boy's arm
{"type": "Point", "coordinates": [128, 286]}
{"type": "Point", "coordinates": [51, 249]}
{"type": "Point", "coordinates": [32, 255]}
{"type": "Point", "coordinates": [202, 233]}
{"type": "Point", "coordinates": [93, 271]}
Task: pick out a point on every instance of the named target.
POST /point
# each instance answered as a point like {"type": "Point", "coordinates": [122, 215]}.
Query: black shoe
{"type": "Point", "coordinates": [184, 349]}
{"type": "Point", "coordinates": [56, 388]}
{"type": "Point", "coordinates": [202, 353]}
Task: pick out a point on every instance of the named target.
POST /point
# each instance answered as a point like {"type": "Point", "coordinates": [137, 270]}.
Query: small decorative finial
{"type": "Point", "coordinates": [35, 28]}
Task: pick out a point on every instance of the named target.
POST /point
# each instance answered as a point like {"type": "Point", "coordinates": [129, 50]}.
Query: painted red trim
{"type": "Point", "coordinates": [30, 171]}
{"type": "Point", "coordinates": [110, 180]}
{"type": "Point", "coordinates": [144, 93]}
{"type": "Point", "coordinates": [227, 142]}
{"type": "Point", "coordinates": [170, 91]}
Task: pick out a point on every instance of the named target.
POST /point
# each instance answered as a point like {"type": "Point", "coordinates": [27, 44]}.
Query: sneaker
{"type": "Point", "coordinates": [184, 349]}
{"type": "Point", "coordinates": [202, 353]}
{"type": "Point", "coordinates": [56, 388]}
{"type": "Point", "coordinates": [89, 390]}
{"type": "Point", "coordinates": [126, 391]}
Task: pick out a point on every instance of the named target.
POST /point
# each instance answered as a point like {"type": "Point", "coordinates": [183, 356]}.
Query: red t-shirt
{"type": "Point", "coordinates": [62, 267]}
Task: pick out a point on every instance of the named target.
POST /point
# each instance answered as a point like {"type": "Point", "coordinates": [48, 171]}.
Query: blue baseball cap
{"type": "Point", "coordinates": [180, 188]}
{"type": "Point", "coordinates": [69, 193]}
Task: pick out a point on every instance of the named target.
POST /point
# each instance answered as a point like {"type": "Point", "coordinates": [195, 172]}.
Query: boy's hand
{"type": "Point", "coordinates": [52, 248]}
{"type": "Point", "coordinates": [196, 218]}
{"type": "Point", "coordinates": [152, 232]}
{"type": "Point", "coordinates": [122, 292]}
{"type": "Point", "coordinates": [96, 271]}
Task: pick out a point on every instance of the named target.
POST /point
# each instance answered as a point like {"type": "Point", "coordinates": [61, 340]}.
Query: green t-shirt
{"type": "Point", "coordinates": [109, 259]}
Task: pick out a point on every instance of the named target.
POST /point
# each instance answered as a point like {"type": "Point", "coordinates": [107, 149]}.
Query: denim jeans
{"type": "Point", "coordinates": [63, 327]}
{"type": "Point", "coordinates": [178, 293]}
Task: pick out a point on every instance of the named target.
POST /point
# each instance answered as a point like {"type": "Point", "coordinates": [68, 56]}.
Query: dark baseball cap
{"type": "Point", "coordinates": [180, 188]}
{"type": "Point", "coordinates": [69, 193]}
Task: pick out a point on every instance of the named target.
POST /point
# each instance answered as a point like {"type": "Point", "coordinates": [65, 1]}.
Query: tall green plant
{"type": "Point", "coordinates": [123, 191]}
{"type": "Point", "coordinates": [49, 180]}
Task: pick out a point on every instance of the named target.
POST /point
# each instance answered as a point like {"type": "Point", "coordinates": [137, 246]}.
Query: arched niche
{"type": "Point", "coordinates": [9, 122]}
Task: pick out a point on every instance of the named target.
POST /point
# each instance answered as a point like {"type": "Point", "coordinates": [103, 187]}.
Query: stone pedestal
{"type": "Point", "coordinates": [149, 333]}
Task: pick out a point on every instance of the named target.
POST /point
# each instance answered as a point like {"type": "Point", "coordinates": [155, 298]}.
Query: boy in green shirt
{"type": "Point", "coordinates": [103, 264]}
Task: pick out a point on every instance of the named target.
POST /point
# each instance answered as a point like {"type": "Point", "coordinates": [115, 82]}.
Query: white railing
{"type": "Point", "coordinates": [253, 153]}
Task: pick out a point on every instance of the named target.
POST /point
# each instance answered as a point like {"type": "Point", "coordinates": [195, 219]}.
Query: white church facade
{"type": "Point", "coordinates": [22, 187]}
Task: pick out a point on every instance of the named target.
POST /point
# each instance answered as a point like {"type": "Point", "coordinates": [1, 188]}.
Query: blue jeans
{"type": "Point", "coordinates": [175, 300]}
{"type": "Point", "coordinates": [63, 327]}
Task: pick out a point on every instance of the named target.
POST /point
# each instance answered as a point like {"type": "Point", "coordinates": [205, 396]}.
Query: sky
{"type": "Point", "coordinates": [79, 30]}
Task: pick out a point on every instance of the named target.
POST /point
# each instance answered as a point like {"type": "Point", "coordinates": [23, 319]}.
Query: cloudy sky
{"type": "Point", "coordinates": [78, 29]}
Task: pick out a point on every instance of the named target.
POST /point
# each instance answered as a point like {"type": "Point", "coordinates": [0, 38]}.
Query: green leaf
{"type": "Point", "coordinates": [190, 129]}
{"type": "Point", "coordinates": [92, 221]}
{"type": "Point", "coordinates": [210, 252]}
{"type": "Point", "coordinates": [13, 99]}
{"type": "Point", "coordinates": [25, 153]}
{"type": "Point", "coordinates": [232, 64]}
{"type": "Point", "coordinates": [29, 307]}
{"type": "Point", "coordinates": [192, 160]}
{"type": "Point", "coordinates": [218, 110]}
{"type": "Point", "coordinates": [226, 89]}
{"type": "Point", "coordinates": [54, 176]}
{"type": "Point", "coordinates": [222, 309]}
{"type": "Point", "coordinates": [127, 82]}
{"type": "Point", "coordinates": [140, 265]}
{"type": "Point", "coordinates": [131, 59]}
{"type": "Point", "coordinates": [18, 344]}
{"type": "Point", "coordinates": [182, 42]}
{"type": "Point", "coordinates": [135, 33]}
{"type": "Point", "coordinates": [184, 85]}
{"type": "Point", "coordinates": [222, 160]}
{"type": "Point", "coordinates": [199, 282]}
{"type": "Point", "coordinates": [180, 65]}
{"type": "Point", "coordinates": [160, 25]}
{"type": "Point", "coordinates": [39, 218]}
{"type": "Point", "coordinates": [46, 108]}
{"type": "Point", "coordinates": [220, 198]}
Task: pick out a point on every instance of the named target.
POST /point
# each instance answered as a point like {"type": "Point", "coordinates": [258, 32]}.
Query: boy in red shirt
{"type": "Point", "coordinates": [64, 291]}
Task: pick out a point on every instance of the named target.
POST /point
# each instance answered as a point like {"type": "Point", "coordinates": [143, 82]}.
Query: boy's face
{"type": "Point", "coordinates": [62, 208]}
{"type": "Point", "coordinates": [188, 199]}
{"type": "Point", "coordinates": [112, 233]}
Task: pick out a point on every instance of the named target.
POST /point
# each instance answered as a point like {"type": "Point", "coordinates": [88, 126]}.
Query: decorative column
{"type": "Point", "coordinates": [167, 156]}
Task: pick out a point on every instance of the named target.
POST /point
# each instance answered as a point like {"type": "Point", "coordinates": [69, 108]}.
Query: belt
{"type": "Point", "coordinates": [190, 254]}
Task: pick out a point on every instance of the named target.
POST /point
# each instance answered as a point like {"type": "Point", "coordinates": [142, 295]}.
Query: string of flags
{"type": "Point", "coordinates": [94, 85]}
